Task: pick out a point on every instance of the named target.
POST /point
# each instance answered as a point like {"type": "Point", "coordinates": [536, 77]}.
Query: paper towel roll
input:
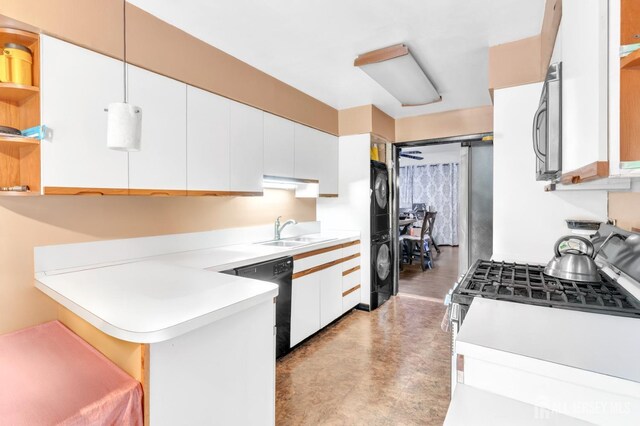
{"type": "Point", "coordinates": [124, 127]}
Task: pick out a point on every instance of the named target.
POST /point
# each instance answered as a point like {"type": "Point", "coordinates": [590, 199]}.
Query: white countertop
{"type": "Point", "coordinates": [233, 256]}
{"type": "Point", "coordinates": [162, 297]}
{"type": "Point", "coordinates": [604, 344]}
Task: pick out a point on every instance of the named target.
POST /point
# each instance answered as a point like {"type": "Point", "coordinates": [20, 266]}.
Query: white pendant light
{"type": "Point", "coordinates": [124, 121]}
{"type": "Point", "coordinates": [397, 71]}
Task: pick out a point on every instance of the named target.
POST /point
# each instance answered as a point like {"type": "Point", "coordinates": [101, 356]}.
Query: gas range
{"type": "Point", "coordinates": [526, 283]}
{"type": "Point", "coordinates": [551, 359]}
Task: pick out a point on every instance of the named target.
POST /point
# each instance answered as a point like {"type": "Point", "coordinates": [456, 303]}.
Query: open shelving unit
{"type": "Point", "coordinates": [629, 86]}
{"type": "Point", "coordinates": [20, 108]}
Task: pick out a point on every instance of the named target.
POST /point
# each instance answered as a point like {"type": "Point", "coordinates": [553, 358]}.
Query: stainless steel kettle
{"type": "Point", "coordinates": [575, 264]}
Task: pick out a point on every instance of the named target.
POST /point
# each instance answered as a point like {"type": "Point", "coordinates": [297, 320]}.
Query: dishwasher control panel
{"type": "Point", "coordinates": [282, 267]}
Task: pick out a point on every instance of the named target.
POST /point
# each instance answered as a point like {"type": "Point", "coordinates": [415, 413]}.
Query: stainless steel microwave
{"type": "Point", "coordinates": [547, 127]}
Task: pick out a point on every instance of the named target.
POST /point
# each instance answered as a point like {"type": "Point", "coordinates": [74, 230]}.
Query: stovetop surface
{"type": "Point", "coordinates": [524, 283]}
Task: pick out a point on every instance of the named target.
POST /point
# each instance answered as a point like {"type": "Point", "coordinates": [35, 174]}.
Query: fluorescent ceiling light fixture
{"type": "Point", "coordinates": [305, 188]}
{"type": "Point", "coordinates": [396, 70]}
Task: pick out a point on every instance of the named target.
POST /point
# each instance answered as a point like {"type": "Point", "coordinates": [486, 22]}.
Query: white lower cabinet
{"type": "Point", "coordinates": [318, 298]}
{"type": "Point", "coordinates": [351, 290]}
{"type": "Point", "coordinates": [330, 294]}
{"type": "Point", "coordinates": [305, 307]}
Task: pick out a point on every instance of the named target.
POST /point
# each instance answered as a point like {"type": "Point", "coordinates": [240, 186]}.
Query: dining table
{"type": "Point", "coordinates": [405, 223]}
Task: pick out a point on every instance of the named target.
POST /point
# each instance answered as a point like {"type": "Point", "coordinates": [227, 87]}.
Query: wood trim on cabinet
{"type": "Point", "coordinates": [316, 252]}
{"type": "Point", "coordinates": [326, 265]}
{"type": "Point", "coordinates": [350, 271]}
{"type": "Point", "coordinates": [200, 193]}
{"type": "Point", "coordinates": [145, 367]}
{"type": "Point", "coordinates": [352, 243]}
{"type": "Point", "coordinates": [381, 55]}
{"type": "Point", "coordinates": [13, 35]}
{"type": "Point", "coordinates": [351, 290]}
{"type": "Point", "coordinates": [353, 256]}
{"type": "Point", "coordinates": [328, 195]}
{"type": "Point", "coordinates": [593, 171]}
{"type": "Point", "coordinates": [317, 268]}
{"type": "Point", "coordinates": [631, 61]}
{"type": "Point", "coordinates": [158, 192]}
{"type": "Point", "coordinates": [64, 190]}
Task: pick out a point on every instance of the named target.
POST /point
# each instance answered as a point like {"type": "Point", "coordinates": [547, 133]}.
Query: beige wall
{"type": "Point", "coordinates": [516, 63]}
{"type": "Point", "coordinates": [35, 221]}
{"type": "Point", "coordinates": [525, 61]}
{"type": "Point", "coordinates": [94, 24]}
{"type": "Point", "coordinates": [160, 47]}
{"type": "Point", "coordinates": [625, 208]}
{"type": "Point", "coordinates": [355, 121]}
{"type": "Point", "coordinates": [155, 45]}
{"type": "Point", "coordinates": [444, 124]}
{"type": "Point", "coordinates": [366, 119]}
{"type": "Point", "coordinates": [382, 124]}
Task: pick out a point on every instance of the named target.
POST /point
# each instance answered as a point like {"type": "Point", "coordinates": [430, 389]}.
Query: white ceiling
{"type": "Point", "coordinates": [311, 44]}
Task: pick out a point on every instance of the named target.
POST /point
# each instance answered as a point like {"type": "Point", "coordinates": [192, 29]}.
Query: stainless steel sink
{"type": "Point", "coordinates": [310, 240]}
{"type": "Point", "coordinates": [282, 243]}
{"type": "Point", "coordinates": [295, 241]}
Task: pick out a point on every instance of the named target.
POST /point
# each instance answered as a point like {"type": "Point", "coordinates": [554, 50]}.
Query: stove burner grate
{"type": "Point", "coordinates": [526, 283]}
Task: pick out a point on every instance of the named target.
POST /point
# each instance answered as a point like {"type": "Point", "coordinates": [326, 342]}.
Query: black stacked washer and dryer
{"type": "Point", "coordinates": [381, 250]}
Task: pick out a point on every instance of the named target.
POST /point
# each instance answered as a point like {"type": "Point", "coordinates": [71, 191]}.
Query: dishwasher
{"type": "Point", "coordinates": [277, 271]}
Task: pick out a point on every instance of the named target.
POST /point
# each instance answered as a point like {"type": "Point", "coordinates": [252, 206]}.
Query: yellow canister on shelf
{"type": "Point", "coordinates": [4, 68]}
{"type": "Point", "coordinates": [374, 153]}
{"type": "Point", "coordinates": [18, 61]}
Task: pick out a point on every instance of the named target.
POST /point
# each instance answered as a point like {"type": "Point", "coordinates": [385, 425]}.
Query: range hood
{"type": "Point", "coordinates": [305, 188]}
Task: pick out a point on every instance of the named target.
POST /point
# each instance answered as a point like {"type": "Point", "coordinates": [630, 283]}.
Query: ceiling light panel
{"type": "Point", "coordinates": [396, 70]}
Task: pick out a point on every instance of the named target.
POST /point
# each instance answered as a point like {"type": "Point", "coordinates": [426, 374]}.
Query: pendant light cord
{"type": "Point", "coordinates": [124, 46]}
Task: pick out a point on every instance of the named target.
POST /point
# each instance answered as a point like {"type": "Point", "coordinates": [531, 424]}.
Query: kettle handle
{"type": "Point", "coordinates": [590, 249]}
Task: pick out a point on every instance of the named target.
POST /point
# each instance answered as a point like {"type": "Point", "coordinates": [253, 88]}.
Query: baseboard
{"type": "Point", "coordinates": [363, 307]}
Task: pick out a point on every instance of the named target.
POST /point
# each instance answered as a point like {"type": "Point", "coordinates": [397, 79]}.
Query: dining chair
{"type": "Point", "coordinates": [418, 246]}
{"type": "Point", "coordinates": [430, 217]}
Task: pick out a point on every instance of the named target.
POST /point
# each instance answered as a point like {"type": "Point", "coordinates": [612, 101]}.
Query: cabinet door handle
{"type": "Point", "coordinates": [536, 128]}
{"type": "Point", "coordinates": [89, 193]}
{"type": "Point", "coordinates": [159, 193]}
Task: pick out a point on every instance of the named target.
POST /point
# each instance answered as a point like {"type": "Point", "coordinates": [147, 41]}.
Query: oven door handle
{"type": "Point", "coordinates": [536, 129]}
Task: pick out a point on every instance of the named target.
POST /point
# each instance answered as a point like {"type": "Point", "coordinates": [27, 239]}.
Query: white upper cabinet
{"type": "Point", "coordinates": [582, 44]}
{"type": "Point", "coordinates": [278, 146]}
{"type": "Point", "coordinates": [207, 141]}
{"type": "Point", "coordinates": [246, 148]}
{"type": "Point", "coordinates": [77, 85]}
{"type": "Point", "coordinates": [316, 157]}
{"type": "Point", "coordinates": [161, 162]}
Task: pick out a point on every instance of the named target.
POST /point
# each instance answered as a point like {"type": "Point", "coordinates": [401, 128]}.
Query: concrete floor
{"type": "Point", "coordinates": [387, 367]}
{"type": "Point", "coordinates": [432, 283]}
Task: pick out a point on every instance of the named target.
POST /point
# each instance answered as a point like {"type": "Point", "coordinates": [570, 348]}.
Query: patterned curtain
{"type": "Point", "coordinates": [406, 191]}
{"type": "Point", "coordinates": [435, 185]}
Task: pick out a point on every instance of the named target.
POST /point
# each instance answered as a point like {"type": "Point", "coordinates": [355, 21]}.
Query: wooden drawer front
{"type": "Point", "coordinates": [305, 262]}
{"type": "Point", "coordinates": [350, 299]}
{"type": "Point", "coordinates": [351, 279]}
{"type": "Point", "coordinates": [351, 262]}
{"type": "Point", "coordinates": [350, 248]}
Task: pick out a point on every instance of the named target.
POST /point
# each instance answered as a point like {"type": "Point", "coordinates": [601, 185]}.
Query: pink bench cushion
{"type": "Point", "coordinates": [50, 376]}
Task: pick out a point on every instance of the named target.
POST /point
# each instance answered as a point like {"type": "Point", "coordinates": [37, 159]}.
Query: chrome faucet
{"type": "Point", "coordinates": [277, 228]}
